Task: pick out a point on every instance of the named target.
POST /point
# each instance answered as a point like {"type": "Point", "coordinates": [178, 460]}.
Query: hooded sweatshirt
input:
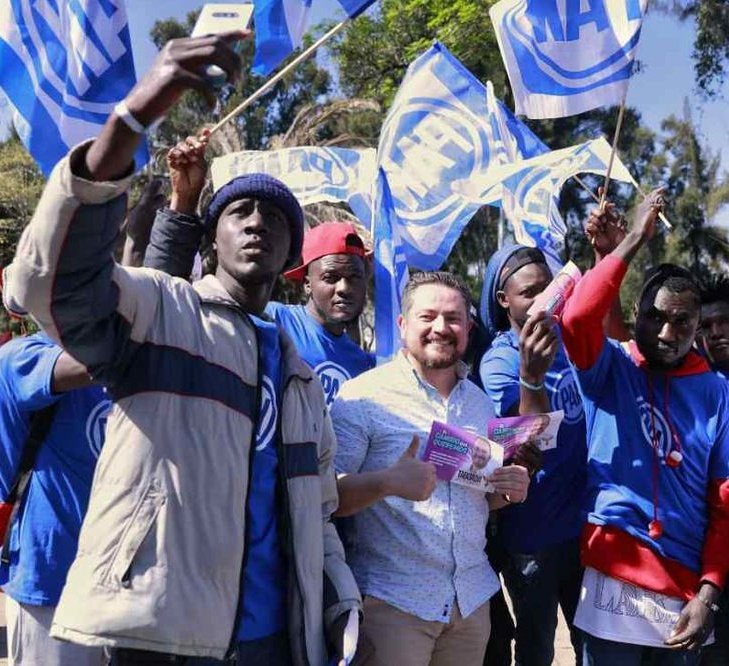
{"type": "Point", "coordinates": [552, 512]}
{"type": "Point", "coordinates": [635, 418]}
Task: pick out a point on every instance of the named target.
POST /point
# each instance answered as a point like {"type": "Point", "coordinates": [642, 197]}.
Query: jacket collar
{"type": "Point", "coordinates": [211, 290]}
{"type": "Point", "coordinates": [693, 364]}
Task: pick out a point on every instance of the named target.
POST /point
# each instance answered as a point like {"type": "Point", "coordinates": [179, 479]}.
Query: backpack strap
{"type": "Point", "coordinates": [40, 425]}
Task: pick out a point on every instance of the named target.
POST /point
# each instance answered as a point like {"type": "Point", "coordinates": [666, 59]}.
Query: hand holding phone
{"type": "Point", "coordinates": [218, 18]}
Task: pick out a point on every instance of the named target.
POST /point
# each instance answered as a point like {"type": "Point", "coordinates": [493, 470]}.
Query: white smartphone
{"type": "Point", "coordinates": [219, 17]}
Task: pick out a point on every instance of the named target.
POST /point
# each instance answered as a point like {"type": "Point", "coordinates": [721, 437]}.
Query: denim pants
{"type": "Point", "coordinates": [601, 652]}
{"type": "Point", "coordinates": [539, 584]}
{"type": "Point", "coordinates": [269, 651]}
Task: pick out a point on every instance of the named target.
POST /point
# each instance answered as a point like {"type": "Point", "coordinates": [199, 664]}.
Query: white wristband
{"type": "Point", "coordinates": [125, 115]}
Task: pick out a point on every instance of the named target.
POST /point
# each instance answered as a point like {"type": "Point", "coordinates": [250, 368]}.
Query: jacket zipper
{"type": "Point", "coordinates": [252, 452]}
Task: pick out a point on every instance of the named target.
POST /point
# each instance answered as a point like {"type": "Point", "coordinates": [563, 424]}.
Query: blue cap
{"type": "Point", "coordinates": [263, 187]}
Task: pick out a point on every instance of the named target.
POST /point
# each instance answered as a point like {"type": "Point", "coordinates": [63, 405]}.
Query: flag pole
{"type": "Point", "coordinates": [642, 193]}
{"type": "Point", "coordinates": [275, 79]}
{"type": "Point", "coordinates": [616, 136]}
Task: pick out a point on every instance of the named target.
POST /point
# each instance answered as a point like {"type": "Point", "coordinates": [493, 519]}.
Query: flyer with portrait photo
{"type": "Point", "coordinates": [513, 431]}
{"type": "Point", "coordinates": [463, 457]}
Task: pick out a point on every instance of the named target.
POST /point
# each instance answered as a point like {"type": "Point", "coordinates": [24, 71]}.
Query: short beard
{"type": "Point", "coordinates": [440, 363]}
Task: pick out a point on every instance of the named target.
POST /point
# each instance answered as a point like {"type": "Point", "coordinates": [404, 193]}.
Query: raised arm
{"type": "Point", "coordinates": [64, 273]}
{"type": "Point", "coordinates": [582, 320]}
{"type": "Point", "coordinates": [178, 230]}
{"type": "Point", "coordinates": [606, 229]}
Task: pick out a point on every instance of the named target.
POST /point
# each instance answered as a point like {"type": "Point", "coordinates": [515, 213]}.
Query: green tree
{"type": "Point", "coordinates": [696, 191]}
{"type": "Point", "coordinates": [711, 44]}
{"type": "Point", "coordinates": [22, 184]}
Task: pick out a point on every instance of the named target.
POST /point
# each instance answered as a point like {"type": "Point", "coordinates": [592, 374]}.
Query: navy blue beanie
{"type": "Point", "coordinates": [263, 187]}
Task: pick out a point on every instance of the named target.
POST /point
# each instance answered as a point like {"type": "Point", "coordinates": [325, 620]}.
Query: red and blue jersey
{"type": "Point", "coordinates": [635, 418]}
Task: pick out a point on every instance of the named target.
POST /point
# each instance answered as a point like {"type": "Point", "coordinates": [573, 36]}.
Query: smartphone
{"type": "Point", "coordinates": [216, 18]}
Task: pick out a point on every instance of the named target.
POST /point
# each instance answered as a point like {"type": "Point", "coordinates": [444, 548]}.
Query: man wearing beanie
{"type": "Point", "coordinates": [332, 270]}
{"type": "Point", "coordinates": [208, 531]}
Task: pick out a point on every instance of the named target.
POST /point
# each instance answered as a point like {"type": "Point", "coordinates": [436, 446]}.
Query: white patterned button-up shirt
{"type": "Point", "coordinates": [417, 556]}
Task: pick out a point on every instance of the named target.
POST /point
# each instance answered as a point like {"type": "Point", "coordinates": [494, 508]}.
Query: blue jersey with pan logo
{"type": "Point", "coordinates": [44, 538]}
{"type": "Point", "coordinates": [552, 513]}
{"type": "Point", "coordinates": [334, 358]}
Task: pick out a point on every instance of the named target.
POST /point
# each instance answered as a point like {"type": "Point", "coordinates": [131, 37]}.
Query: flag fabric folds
{"type": "Point", "coordinates": [314, 174]}
{"type": "Point", "coordinates": [535, 183]}
{"type": "Point", "coordinates": [515, 142]}
{"type": "Point", "coordinates": [280, 26]}
{"type": "Point", "coordinates": [391, 274]}
{"type": "Point", "coordinates": [436, 138]}
{"type": "Point", "coordinates": [65, 64]}
{"type": "Point", "coordinates": [569, 56]}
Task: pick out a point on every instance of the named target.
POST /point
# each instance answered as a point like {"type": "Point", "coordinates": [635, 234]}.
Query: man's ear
{"type": "Point", "coordinates": [502, 299]}
{"type": "Point", "coordinates": [307, 285]}
{"type": "Point", "coordinates": [401, 325]}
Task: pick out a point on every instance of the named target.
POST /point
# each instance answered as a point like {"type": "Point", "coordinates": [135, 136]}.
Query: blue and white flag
{"type": "Point", "coordinates": [313, 174]}
{"type": "Point", "coordinates": [280, 26]}
{"type": "Point", "coordinates": [391, 275]}
{"type": "Point", "coordinates": [65, 64]}
{"type": "Point", "coordinates": [534, 185]}
{"type": "Point", "coordinates": [516, 142]}
{"type": "Point", "coordinates": [436, 138]}
{"type": "Point", "coordinates": [564, 57]}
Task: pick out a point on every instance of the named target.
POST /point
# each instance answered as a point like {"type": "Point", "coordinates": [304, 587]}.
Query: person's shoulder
{"type": "Point", "coordinates": [27, 347]}
{"type": "Point", "coordinates": [505, 344]}
{"type": "Point", "coordinates": [503, 350]}
{"type": "Point", "coordinates": [474, 391]}
{"type": "Point", "coordinates": [369, 383]}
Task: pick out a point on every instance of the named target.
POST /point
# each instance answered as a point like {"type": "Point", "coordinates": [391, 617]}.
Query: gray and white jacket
{"type": "Point", "coordinates": [162, 547]}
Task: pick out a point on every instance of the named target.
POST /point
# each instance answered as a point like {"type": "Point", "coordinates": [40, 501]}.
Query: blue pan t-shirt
{"type": "Point", "coordinates": [263, 593]}
{"type": "Point", "coordinates": [334, 358]}
{"type": "Point", "coordinates": [553, 511]}
{"type": "Point", "coordinates": [44, 538]}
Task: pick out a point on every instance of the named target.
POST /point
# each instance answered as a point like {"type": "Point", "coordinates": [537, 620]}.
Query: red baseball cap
{"type": "Point", "coordinates": [325, 239]}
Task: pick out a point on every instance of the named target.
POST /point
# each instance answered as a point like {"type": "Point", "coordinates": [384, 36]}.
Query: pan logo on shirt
{"type": "Point", "coordinates": [96, 426]}
{"type": "Point", "coordinates": [268, 415]}
{"type": "Point", "coordinates": [566, 396]}
{"type": "Point", "coordinates": [332, 376]}
{"type": "Point", "coordinates": [651, 418]}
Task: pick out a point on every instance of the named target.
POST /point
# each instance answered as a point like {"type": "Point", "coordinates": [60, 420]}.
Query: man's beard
{"type": "Point", "coordinates": [445, 359]}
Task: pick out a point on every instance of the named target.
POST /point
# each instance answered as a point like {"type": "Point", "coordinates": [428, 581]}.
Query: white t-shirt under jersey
{"type": "Point", "coordinates": [617, 611]}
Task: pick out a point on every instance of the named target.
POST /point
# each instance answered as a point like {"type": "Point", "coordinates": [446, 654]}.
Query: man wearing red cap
{"type": "Point", "coordinates": [334, 275]}
{"type": "Point", "coordinates": [333, 272]}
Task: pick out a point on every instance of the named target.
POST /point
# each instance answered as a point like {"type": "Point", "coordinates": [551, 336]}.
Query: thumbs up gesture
{"type": "Point", "coordinates": [411, 478]}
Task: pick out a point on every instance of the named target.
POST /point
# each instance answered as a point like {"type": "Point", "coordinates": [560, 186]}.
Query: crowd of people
{"type": "Point", "coordinates": [200, 453]}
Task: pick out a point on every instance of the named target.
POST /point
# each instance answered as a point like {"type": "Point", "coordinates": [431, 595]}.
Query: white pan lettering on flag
{"type": "Point", "coordinates": [314, 174]}
{"type": "Point", "coordinates": [280, 26]}
{"type": "Point", "coordinates": [437, 133]}
{"type": "Point", "coordinates": [564, 57]}
{"type": "Point", "coordinates": [65, 64]}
